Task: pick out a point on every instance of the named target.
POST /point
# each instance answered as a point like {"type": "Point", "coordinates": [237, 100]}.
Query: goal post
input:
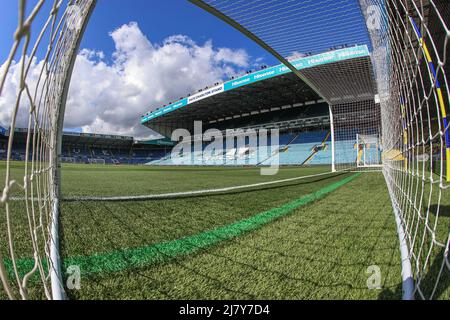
{"type": "Point", "coordinates": [44, 95]}
{"type": "Point", "coordinates": [409, 58]}
{"type": "Point", "coordinates": [356, 136]}
{"type": "Point", "coordinates": [97, 161]}
{"type": "Point", "coordinates": [369, 151]}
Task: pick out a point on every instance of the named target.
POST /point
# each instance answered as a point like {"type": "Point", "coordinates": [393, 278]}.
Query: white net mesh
{"type": "Point", "coordinates": [410, 41]}
{"type": "Point", "coordinates": [409, 51]}
{"type": "Point", "coordinates": [31, 224]}
{"type": "Point", "coordinates": [353, 122]}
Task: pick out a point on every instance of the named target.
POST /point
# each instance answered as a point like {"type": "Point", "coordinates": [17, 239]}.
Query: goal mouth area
{"type": "Point", "coordinates": [124, 237]}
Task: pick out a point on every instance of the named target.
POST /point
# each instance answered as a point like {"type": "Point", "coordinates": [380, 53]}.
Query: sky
{"type": "Point", "coordinates": [136, 56]}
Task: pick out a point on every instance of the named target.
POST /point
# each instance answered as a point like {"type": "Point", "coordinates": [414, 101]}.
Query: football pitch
{"type": "Point", "coordinates": [316, 238]}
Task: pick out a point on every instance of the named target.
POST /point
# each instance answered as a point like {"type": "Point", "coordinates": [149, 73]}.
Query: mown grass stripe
{"type": "Point", "coordinates": [162, 252]}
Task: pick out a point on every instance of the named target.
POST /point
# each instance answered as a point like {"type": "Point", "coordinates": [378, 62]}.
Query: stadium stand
{"type": "Point", "coordinates": [300, 143]}
{"type": "Point", "coordinates": [3, 143]}
{"type": "Point", "coordinates": [270, 98]}
{"type": "Point", "coordinates": [94, 148]}
{"type": "Point", "coordinates": [274, 98]}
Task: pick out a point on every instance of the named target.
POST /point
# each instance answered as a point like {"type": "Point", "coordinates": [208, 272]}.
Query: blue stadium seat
{"type": "Point", "coordinates": [291, 149]}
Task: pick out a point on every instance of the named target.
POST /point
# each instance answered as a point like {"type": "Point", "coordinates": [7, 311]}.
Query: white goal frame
{"type": "Point", "coordinates": [96, 161]}
{"type": "Point", "coordinates": [366, 147]}
{"type": "Point", "coordinates": [46, 100]}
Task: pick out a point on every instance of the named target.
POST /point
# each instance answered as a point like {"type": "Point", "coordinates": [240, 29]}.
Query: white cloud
{"type": "Point", "coordinates": [11, 89]}
{"type": "Point", "coordinates": [110, 97]}
{"type": "Point", "coordinates": [296, 55]}
{"type": "Point", "coordinates": [237, 57]}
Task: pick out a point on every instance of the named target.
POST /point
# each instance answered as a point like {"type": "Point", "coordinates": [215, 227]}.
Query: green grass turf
{"type": "Point", "coordinates": [318, 251]}
{"type": "Point", "coordinates": [102, 180]}
{"type": "Point", "coordinates": [162, 252]}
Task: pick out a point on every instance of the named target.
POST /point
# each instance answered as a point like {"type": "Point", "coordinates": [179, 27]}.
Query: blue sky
{"type": "Point", "coordinates": [95, 107]}
{"type": "Point", "coordinates": [160, 19]}
{"type": "Point", "coordinates": [303, 26]}
{"type": "Point", "coordinates": [157, 20]}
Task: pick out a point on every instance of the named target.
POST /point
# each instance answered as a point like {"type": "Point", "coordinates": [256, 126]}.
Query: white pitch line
{"type": "Point", "coordinates": [188, 193]}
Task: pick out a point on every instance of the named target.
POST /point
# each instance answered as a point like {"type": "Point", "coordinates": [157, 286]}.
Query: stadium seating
{"type": "Point", "coordinates": [304, 148]}
{"type": "Point", "coordinates": [3, 147]}
{"type": "Point", "coordinates": [346, 151]}
{"type": "Point", "coordinates": [300, 149]}
{"type": "Point", "coordinates": [292, 149]}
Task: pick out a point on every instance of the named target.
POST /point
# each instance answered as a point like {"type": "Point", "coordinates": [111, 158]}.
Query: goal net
{"type": "Point", "coordinates": [356, 130]}
{"type": "Point", "coordinates": [407, 108]}
{"type": "Point", "coordinates": [411, 42]}
{"type": "Point", "coordinates": [369, 151]}
{"type": "Point", "coordinates": [392, 116]}
{"type": "Point", "coordinates": [31, 222]}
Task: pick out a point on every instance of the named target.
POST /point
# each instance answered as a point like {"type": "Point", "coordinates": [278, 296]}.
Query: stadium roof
{"type": "Point", "coordinates": [341, 76]}
{"type": "Point", "coordinates": [96, 139]}
{"type": "Point", "coordinates": [156, 142]}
